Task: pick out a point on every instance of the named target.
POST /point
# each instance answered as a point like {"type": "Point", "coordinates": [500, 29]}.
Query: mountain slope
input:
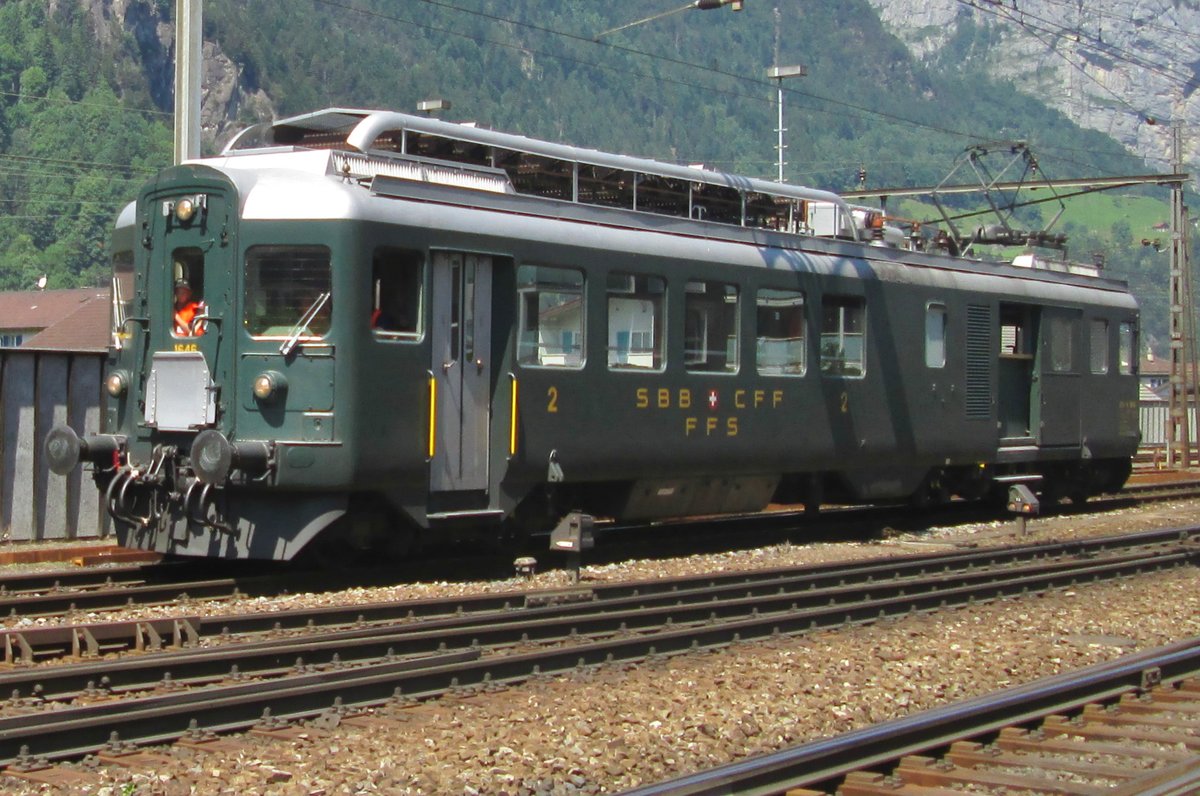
{"type": "Point", "coordinates": [88, 88]}
{"type": "Point", "coordinates": [1109, 65]}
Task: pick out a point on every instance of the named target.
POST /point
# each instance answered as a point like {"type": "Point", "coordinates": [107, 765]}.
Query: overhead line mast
{"type": "Point", "coordinates": [1182, 378]}
{"type": "Point", "coordinates": [189, 27]}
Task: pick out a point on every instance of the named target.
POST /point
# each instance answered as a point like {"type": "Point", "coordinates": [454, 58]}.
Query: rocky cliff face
{"type": "Point", "coordinates": [1109, 65]}
{"type": "Point", "coordinates": [228, 101]}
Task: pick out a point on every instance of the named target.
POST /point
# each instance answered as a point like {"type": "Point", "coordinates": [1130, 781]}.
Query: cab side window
{"type": "Point", "coordinates": [396, 293]}
{"type": "Point", "coordinates": [1127, 348]}
{"type": "Point", "coordinates": [935, 336]}
{"type": "Point", "coordinates": [187, 291]}
{"type": "Point", "coordinates": [1062, 349]}
{"type": "Point", "coordinates": [1099, 346]}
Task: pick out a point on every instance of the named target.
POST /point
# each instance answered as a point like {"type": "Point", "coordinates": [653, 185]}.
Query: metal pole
{"type": "Point", "coordinates": [780, 128]}
{"type": "Point", "coordinates": [1190, 361]}
{"type": "Point", "coordinates": [189, 15]}
{"type": "Point", "coordinates": [1178, 432]}
{"type": "Point", "coordinates": [778, 74]}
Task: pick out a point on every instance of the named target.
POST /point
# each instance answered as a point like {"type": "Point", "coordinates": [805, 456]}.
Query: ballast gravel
{"type": "Point", "coordinates": [620, 726]}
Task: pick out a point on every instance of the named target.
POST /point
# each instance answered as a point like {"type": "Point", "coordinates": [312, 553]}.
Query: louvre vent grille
{"type": "Point", "coordinates": [979, 362]}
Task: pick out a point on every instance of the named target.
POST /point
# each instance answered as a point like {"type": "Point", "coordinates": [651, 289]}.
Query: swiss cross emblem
{"type": "Point", "coordinates": [713, 400]}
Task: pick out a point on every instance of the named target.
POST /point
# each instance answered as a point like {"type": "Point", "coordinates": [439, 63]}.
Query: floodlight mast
{"type": "Point", "coordinates": [779, 74]}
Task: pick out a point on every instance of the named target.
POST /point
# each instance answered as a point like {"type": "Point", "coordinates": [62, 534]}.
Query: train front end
{"type": "Point", "coordinates": [219, 380]}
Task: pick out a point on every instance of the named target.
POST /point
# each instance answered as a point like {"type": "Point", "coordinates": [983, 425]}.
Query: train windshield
{"type": "Point", "coordinates": [122, 294]}
{"type": "Point", "coordinates": [288, 291]}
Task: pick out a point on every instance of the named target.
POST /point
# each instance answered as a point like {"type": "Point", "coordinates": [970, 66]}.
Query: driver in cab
{"type": "Point", "coordinates": [186, 311]}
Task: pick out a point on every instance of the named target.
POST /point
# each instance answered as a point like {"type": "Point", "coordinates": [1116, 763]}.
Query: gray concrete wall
{"type": "Point", "coordinates": [37, 390]}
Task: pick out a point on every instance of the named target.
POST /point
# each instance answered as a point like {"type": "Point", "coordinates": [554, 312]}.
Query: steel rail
{"type": "Point", "coordinates": [77, 578]}
{"type": "Point", "coordinates": [548, 624]}
{"type": "Point", "coordinates": [24, 643]}
{"type": "Point", "coordinates": [68, 731]}
{"type": "Point", "coordinates": [824, 762]}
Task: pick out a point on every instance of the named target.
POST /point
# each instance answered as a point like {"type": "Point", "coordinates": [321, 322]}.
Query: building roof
{"type": "Point", "coordinates": [75, 319]}
{"type": "Point", "coordinates": [37, 309]}
{"type": "Point", "coordinates": [1153, 366]}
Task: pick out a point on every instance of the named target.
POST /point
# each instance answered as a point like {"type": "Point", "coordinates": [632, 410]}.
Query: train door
{"type": "Point", "coordinates": [1015, 372]}
{"type": "Point", "coordinates": [1058, 369]}
{"type": "Point", "coordinates": [461, 346]}
{"type": "Point", "coordinates": [191, 277]}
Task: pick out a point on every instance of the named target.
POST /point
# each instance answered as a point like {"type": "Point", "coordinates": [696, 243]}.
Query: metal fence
{"type": "Point", "coordinates": [37, 390]}
{"type": "Point", "coordinates": [1152, 419]}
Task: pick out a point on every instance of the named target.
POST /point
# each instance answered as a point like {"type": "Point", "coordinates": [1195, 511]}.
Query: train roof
{"type": "Point", "coordinates": [317, 165]}
{"type": "Point", "coordinates": [521, 158]}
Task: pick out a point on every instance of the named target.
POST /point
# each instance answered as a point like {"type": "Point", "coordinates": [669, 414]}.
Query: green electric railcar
{"type": "Point", "coordinates": [404, 326]}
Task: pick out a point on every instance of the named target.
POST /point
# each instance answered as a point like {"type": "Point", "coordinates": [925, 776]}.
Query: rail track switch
{"type": "Point", "coordinates": [574, 533]}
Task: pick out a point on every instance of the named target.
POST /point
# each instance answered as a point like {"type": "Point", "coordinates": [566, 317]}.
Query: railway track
{"type": "Point", "coordinates": [1124, 727]}
{"type": "Point", "coordinates": [26, 645]}
{"type": "Point", "coordinates": [108, 588]}
{"type": "Point", "coordinates": [170, 695]}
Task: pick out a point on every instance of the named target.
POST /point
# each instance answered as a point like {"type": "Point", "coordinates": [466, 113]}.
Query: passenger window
{"type": "Point", "coordinates": [711, 327]}
{"type": "Point", "coordinates": [781, 341]}
{"type": "Point", "coordinates": [1127, 351]}
{"type": "Point", "coordinates": [1062, 357]}
{"type": "Point", "coordinates": [288, 291]}
{"type": "Point", "coordinates": [1099, 346]}
{"type": "Point", "coordinates": [187, 291]}
{"type": "Point", "coordinates": [843, 335]}
{"type": "Point", "coordinates": [935, 336]}
{"type": "Point", "coordinates": [635, 322]}
{"type": "Point", "coordinates": [396, 291]}
{"type": "Point", "coordinates": [551, 316]}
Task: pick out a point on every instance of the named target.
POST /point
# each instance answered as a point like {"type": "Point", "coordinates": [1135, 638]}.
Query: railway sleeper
{"type": "Point", "coordinates": [1090, 730]}
{"type": "Point", "coordinates": [969, 754]}
{"type": "Point", "coordinates": [931, 772]}
{"type": "Point", "coordinates": [1037, 742]}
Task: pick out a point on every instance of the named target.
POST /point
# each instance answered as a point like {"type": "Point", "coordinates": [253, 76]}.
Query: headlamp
{"type": "Point", "coordinates": [117, 383]}
{"type": "Point", "coordinates": [185, 210]}
{"type": "Point", "coordinates": [269, 386]}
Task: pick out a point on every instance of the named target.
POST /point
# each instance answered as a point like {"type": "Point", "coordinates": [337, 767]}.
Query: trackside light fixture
{"type": "Point", "coordinates": [432, 106]}
{"type": "Point", "coordinates": [781, 72]}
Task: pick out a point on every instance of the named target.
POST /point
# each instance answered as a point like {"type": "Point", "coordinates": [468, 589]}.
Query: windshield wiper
{"type": "Point", "coordinates": [301, 325]}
